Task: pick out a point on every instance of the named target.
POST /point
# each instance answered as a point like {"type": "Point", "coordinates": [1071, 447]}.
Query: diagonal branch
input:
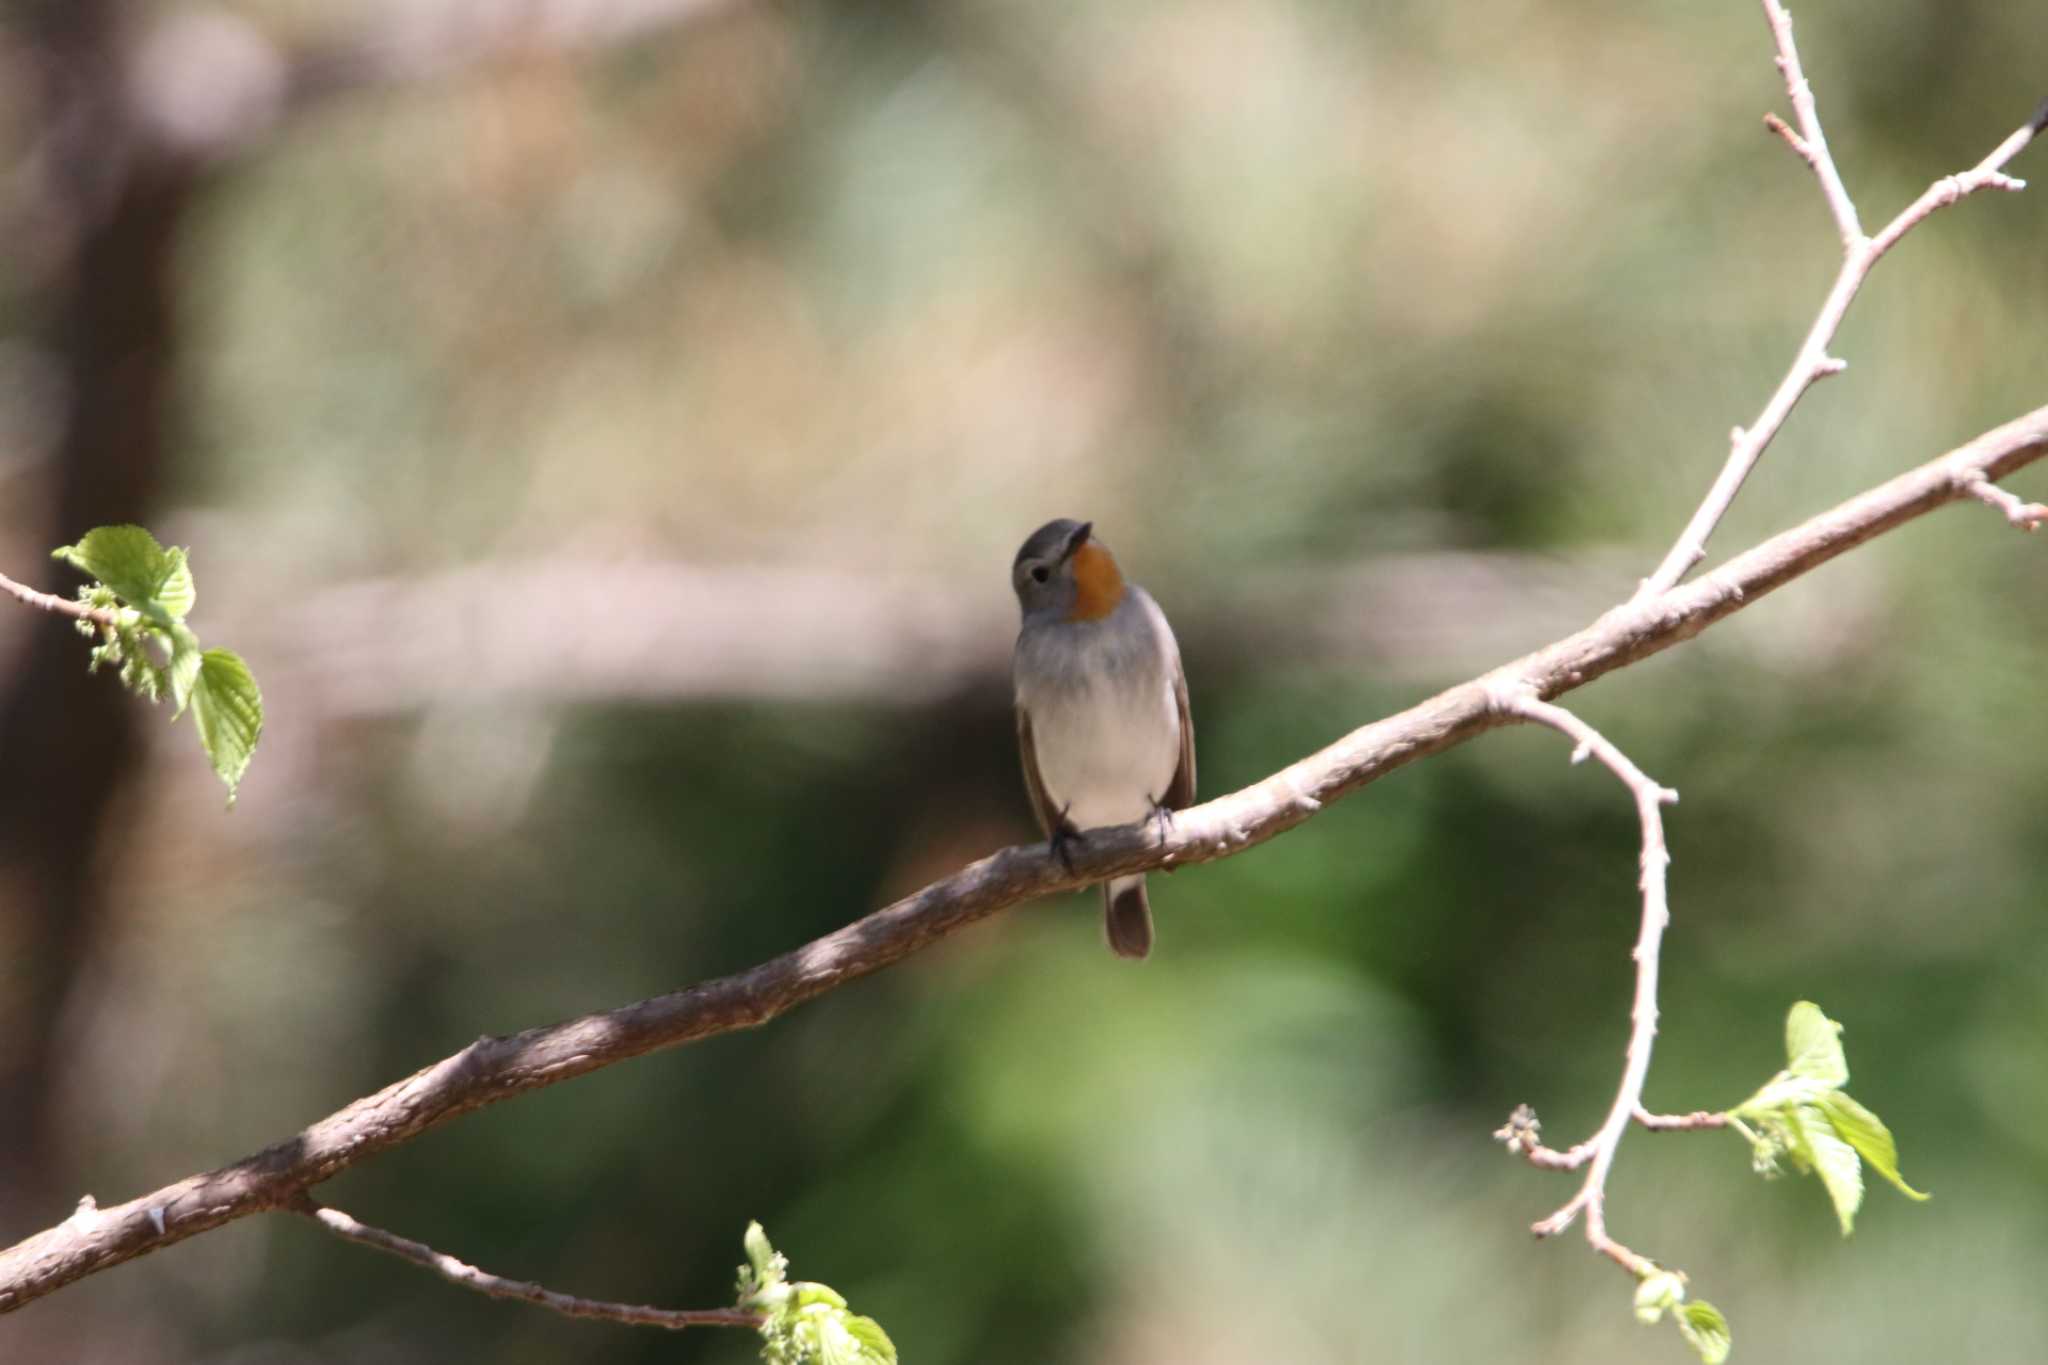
{"type": "Point", "coordinates": [1650, 799]}
{"type": "Point", "coordinates": [1859, 255]}
{"type": "Point", "coordinates": [498, 1287]}
{"type": "Point", "coordinates": [62, 606]}
{"type": "Point", "coordinates": [494, 1069]}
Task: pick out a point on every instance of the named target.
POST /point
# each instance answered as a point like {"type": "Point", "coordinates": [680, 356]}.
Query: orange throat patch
{"type": "Point", "coordinates": [1098, 587]}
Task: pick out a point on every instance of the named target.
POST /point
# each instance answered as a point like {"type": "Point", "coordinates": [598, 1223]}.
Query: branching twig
{"type": "Point", "coordinates": [1810, 142]}
{"type": "Point", "coordinates": [1859, 254]}
{"type": "Point", "coordinates": [498, 1287]}
{"type": "Point", "coordinates": [1650, 799]}
{"type": "Point", "coordinates": [1522, 1135]}
{"type": "Point", "coordinates": [62, 606]}
{"type": "Point", "coordinates": [2028, 516]}
{"type": "Point", "coordinates": [495, 1069]}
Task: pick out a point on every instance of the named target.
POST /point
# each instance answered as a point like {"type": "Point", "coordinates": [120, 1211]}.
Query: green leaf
{"type": "Point", "coordinates": [847, 1340]}
{"type": "Point", "coordinates": [1782, 1091]}
{"type": "Point", "coordinates": [1835, 1159]}
{"type": "Point", "coordinates": [808, 1293]}
{"type": "Point", "coordinates": [1703, 1327]}
{"type": "Point", "coordinates": [145, 575]}
{"type": "Point", "coordinates": [1657, 1294]}
{"type": "Point", "coordinates": [1866, 1132]}
{"type": "Point", "coordinates": [874, 1341]}
{"type": "Point", "coordinates": [177, 594]}
{"type": "Point", "coordinates": [184, 666]}
{"type": "Point", "coordinates": [836, 1345]}
{"type": "Point", "coordinates": [228, 709]}
{"type": "Point", "coordinates": [1813, 1043]}
{"type": "Point", "coordinates": [759, 1253]}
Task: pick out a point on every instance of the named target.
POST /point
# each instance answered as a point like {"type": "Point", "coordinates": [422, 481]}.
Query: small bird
{"type": "Point", "coordinates": [1102, 707]}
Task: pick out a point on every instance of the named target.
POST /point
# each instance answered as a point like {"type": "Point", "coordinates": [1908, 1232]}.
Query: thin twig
{"type": "Point", "coordinates": [1521, 1135]}
{"type": "Point", "coordinates": [62, 606]}
{"type": "Point", "coordinates": [1812, 143]}
{"type": "Point", "coordinates": [1792, 139]}
{"type": "Point", "coordinates": [2028, 516]}
{"type": "Point", "coordinates": [1678, 1123]}
{"type": "Point", "coordinates": [1859, 255]}
{"type": "Point", "coordinates": [1650, 799]}
{"type": "Point", "coordinates": [498, 1287]}
{"type": "Point", "coordinates": [493, 1070]}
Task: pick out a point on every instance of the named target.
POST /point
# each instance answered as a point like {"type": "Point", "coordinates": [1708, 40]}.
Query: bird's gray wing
{"type": "Point", "coordinates": [1041, 805]}
{"type": "Point", "coordinates": [1180, 793]}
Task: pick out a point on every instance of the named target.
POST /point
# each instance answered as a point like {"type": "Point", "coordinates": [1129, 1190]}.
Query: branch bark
{"type": "Point", "coordinates": [494, 1069]}
{"type": "Point", "coordinates": [498, 1287]}
{"type": "Point", "coordinates": [50, 602]}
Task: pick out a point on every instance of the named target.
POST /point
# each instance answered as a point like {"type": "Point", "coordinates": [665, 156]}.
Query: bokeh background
{"type": "Point", "coordinates": [605, 428]}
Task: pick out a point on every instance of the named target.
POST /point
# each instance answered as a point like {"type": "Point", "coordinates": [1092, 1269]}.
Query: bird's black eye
{"type": "Point", "coordinates": [1039, 573]}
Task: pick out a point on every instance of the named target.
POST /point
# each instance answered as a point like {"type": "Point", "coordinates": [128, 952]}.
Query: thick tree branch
{"type": "Point", "coordinates": [494, 1069]}
{"type": "Point", "coordinates": [1859, 255]}
{"type": "Point", "coordinates": [498, 1287]}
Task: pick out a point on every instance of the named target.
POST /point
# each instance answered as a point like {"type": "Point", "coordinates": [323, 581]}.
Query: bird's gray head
{"type": "Point", "coordinates": [1063, 571]}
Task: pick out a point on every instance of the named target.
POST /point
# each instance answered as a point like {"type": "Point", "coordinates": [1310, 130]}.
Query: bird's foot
{"type": "Point", "coordinates": [1062, 844]}
{"type": "Point", "coordinates": [1162, 828]}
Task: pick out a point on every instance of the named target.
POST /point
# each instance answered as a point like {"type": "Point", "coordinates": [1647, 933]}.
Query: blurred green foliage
{"type": "Point", "coordinates": [1266, 288]}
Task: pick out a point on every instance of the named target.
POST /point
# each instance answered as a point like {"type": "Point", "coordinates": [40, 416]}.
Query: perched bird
{"type": "Point", "coordinates": [1102, 706]}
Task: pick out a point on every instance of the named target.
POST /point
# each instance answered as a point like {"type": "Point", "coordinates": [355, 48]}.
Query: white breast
{"type": "Point", "coordinates": [1104, 718]}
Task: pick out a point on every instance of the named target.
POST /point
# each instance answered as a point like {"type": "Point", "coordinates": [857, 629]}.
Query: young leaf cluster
{"type": "Point", "coordinates": [142, 592]}
{"type": "Point", "coordinates": [1699, 1322]}
{"type": "Point", "coordinates": [805, 1323]}
{"type": "Point", "coordinates": [1802, 1115]}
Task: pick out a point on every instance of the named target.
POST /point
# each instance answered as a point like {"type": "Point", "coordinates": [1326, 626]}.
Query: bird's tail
{"type": "Point", "coordinates": [1127, 916]}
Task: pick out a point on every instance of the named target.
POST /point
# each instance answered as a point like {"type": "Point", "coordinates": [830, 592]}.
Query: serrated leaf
{"type": "Point", "coordinates": [1703, 1327]}
{"type": "Point", "coordinates": [1840, 1169]}
{"type": "Point", "coordinates": [1866, 1132]}
{"type": "Point", "coordinates": [1813, 1046]}
{"type": "Point", "coordinates": [846, 1340]}
{"type": "Point", "coordinates": [177, 594]}
{"type": "Point", "coordinates": [836, 1345]}
{"type": "Point", "coordinates": [874, 1341]}
{"type": "Point", "coordinates": [228, 709]}
{"type": "Point", "coordinates": [183, 669]}
{"type": "Point", "coordinates": [142, 573]}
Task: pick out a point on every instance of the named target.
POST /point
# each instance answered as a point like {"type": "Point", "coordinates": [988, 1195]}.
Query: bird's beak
{"type": "Point", "coordinates": [1077, 540]}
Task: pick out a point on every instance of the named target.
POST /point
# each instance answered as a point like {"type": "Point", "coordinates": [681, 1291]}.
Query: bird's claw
{"type": "Point", "coordinates": [1062, 846]}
